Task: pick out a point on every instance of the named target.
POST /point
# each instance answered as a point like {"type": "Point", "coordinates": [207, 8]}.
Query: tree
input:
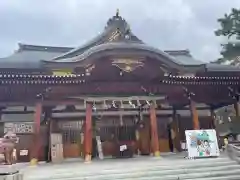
{"type": "Point", "coordinates": [230, 28]}
{"type": "Point", "coordinates": [230, 25]}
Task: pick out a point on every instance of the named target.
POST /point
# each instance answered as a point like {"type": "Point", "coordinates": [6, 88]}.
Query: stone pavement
{"type": "Point", "coordinates": [169, 167]}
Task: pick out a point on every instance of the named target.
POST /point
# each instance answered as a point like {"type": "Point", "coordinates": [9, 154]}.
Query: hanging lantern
{"type": "Point", "coordinates": [138, 103]}
{"type": "Point", "coordinates": [94, 107]}
{"type": "Point", "coordinates": [148, 103]}
{"type": "Point", "coordinates": [114, 104]}
{"type": "Point", "coordinates": [121, 106]}
{"type": "Point", "coordinates": [131, 104]}
{"type": "Point", "coordinates": [105, 106]}
{"type": "Point", "coordinates": [229, 119]}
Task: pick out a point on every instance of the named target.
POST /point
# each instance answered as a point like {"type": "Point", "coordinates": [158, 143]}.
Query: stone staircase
{"type": "Point", "coordinates": [221, 168]}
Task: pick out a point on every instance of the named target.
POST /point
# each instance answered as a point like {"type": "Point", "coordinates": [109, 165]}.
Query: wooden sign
{"type": "Point", "coordinates": [23, 152]}
{"type": "Point", "coordinates": [19, 127]}
{"type": "Point", "coordinates": [202, 143]}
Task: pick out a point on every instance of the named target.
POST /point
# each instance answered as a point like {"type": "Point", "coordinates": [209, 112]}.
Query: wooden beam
{"type": "Point", "coordinates": [17, 112]}
{"type": "Point", "coordinates": [83, 108]}
{"type": "Point", "coordinates": [120, 98]}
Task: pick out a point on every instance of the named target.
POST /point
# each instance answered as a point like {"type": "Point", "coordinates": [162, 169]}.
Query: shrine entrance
{"type": "Point", "coordinates": [71, 143]}
{"type": "Point", "coordinates": [144, 137]}
{"type": "Point", "coordinates": [115, 133]}
{"type": "Point", "coordinates": [72, 138]}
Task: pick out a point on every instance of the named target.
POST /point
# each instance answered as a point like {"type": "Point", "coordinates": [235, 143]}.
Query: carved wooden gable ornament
{"type": "Point", "coordinates": [128, 65]}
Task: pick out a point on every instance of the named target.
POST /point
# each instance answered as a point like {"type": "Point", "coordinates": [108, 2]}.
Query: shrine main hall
{"type": "Point", "coordinates": [113, 91]}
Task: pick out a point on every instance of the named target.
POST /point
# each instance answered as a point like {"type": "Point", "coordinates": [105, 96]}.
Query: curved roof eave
{"type": "Point", "coordinates": [25, 59]}
{"type": "Point", "coordinates": [112, 46]}
{"type": "Point", "coordinates": [122, 45]}
{"type": "Point", "coordinates": [82, 48]}
{"type": "Point", "coordinates": [211, 67]}
{"type": "Point", "coordinates": [168, 59]}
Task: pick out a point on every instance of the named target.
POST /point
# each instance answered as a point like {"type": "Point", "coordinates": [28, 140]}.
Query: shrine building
{"type": "Point", "coordinates": [114, 87]}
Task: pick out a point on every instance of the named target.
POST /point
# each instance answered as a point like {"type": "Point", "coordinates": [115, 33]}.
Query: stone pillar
{"type": "Point", "coordinates": [213, 121]}
{"type": "Point", "coordinates": [36, 136]}
{"type": "Point", "coordinates": [235, 94]}
{"type": "Point", "coordinates": [236, 108]}
{"type": "Point", "coordinates": [88, 134]}
{"type": "Point", "coordinates": [154, 131]}
{"type": "Point", "coordinates": [214, 125]}
{"type": "Point", "coordinates": [194, 115]}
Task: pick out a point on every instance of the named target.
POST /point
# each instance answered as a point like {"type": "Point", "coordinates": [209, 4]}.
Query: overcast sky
{"type": "Point", "coordinates": [166, 24]}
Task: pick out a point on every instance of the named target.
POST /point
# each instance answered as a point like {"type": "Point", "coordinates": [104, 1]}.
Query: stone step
{"type": "Point", "coordinates": [204, 175]}
{"type": "Point", "coordinates": [145, 174]}
{"type": "Point", "coordinates": [150, 161]}
{"type": "Point", "coordinates": [231, 175]}
{"type": "Point", "coordinates": [164, 169]}
{"type": "Point", "coordinates": [139, 169]}
{"type": "Point", "coordinates": [156, 172]}
{"type": "Point", "coordinates": [227, 177]}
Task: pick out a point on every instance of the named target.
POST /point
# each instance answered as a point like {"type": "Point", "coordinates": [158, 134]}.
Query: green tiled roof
{"type": "Point", "coordinates": [30, 56]}
{"type": "Point", "coordinates": [221, 67]}
{"type": "Point", "coordinates": [26, 59]}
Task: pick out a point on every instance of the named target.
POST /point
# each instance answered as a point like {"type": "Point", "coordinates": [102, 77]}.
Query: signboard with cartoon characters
{"type": "Point", "coordinates": [202, 143]}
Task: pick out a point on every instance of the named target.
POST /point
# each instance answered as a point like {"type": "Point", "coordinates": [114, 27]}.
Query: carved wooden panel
{"type": "Point", "coordinates": [127, 64]}
{"type": "Point", "coordinates": [70, 125]}
{"type": "Point", "coordinates": [115, 121]}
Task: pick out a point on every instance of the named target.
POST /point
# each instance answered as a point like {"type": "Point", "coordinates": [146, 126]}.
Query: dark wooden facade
{"type": "Point", "coordinates": [112, 79]}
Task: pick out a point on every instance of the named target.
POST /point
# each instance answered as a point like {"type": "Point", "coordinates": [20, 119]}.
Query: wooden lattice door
{"type": "Point", "coordinates": [71, 135]}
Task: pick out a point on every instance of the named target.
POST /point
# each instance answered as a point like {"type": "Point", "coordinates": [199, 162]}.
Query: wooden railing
{"type": "Point", "coordinates": [233, 152]}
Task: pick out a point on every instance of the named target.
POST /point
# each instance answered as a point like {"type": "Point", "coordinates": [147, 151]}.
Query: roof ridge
{"type": "Point", "coordinates": [31, 47]}
{"type": "Point", "coordinates": [178, 52]}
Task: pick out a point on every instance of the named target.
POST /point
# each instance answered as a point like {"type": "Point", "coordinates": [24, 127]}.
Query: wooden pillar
{"type": "Point", "coordinates": [36, 136]}
{"type": "Point", "coordinates": [154, 131]}
{"type": "Point", "coordinates": [50, 127]}
{"type": "Point", "coordinates": [88, 134]}
{"type": "Point", "coordinates": [194, 115]}
{"type": "Point", "coordinates": [175, 134]}
{"type": "Point", "coordinates": [236, 108]}
{"type": "Point", "coordinates": [137, 132]}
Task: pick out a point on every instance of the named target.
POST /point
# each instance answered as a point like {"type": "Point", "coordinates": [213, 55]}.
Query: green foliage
{"type": "Point", "coordinates": [230, 27]}
{"type": "Point", "coordinates": [230, 24]}
{"type": "Point", "coordinates": [231, 50]}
